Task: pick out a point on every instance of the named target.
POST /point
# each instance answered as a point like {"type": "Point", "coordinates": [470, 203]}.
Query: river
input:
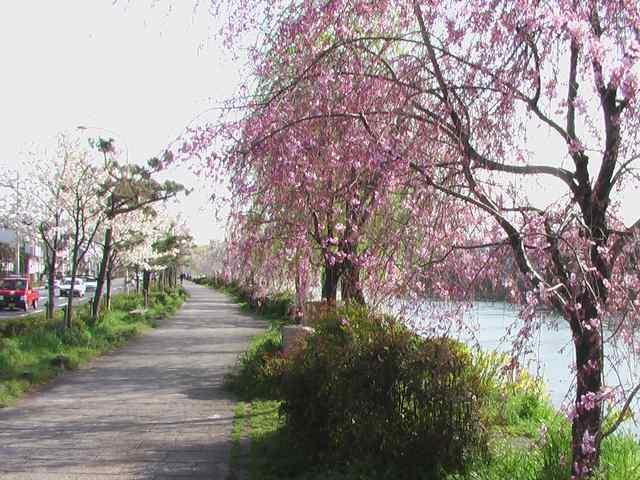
{"type": "Point", "coordinates": [551, 355]}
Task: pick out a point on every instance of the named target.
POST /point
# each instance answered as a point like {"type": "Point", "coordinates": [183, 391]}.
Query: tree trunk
{"type": "Point", "coordinates": [68, 313]}
{"type": "Point", "coordinates": [107, 294]}
{"type": "Point", "coordinates": [587, 424]}
{"type": "Point", "coordinates": [106, 255]}
{"type": "Point", "coordinates": [350, 290]}
{"type": "Point", "coordinates": [330, 282]}
{"type": "Point", "coordinates": [137, 280]}
{"type": "Point", "coordinates": [302, 283]}
{"type": "Point", "coordinates": [146, 277]}
{"type": "Point", "coordinates": [74, 271]}
{"type": "Point", "coordinates": [51, 278]}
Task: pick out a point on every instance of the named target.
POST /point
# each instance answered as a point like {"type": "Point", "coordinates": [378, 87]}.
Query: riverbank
{"type": "Point", "coordinates": [526, 437]}
{"type": "Point", "coordinates": [33, 350]}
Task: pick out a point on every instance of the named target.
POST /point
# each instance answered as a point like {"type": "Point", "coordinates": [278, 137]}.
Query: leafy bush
{"type": "Point", "coordinates": [277, 305]}
{"type": "Point", "coordinates": [257, 374]}
{"type": "Point", "coordinates": [13, 327]}
{"type": "Point", "coordinates": [10, 355]}
{"type": "Point", "coordinates": [127, 303]}
{"type": "Point", "coordinates": [76, 336]}
{"type": "Point", "coordinates": [367, 381]}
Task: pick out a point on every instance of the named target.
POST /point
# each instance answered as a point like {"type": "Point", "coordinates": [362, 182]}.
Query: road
{"type": "Point", "coordinates": [117, 285]}
{"type": "Point", "coordinates": [152, 410]}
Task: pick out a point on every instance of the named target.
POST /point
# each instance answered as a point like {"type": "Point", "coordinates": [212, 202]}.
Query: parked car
{"type": "Point", "coordinates": [79, 288]}
{"type": "Point", "coordinates": [90, 282]}
{"type": "Point", "coordinates": [18, 292]}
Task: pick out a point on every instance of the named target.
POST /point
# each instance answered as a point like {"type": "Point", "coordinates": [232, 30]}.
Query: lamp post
{"type": "Point", "coordinates": [17, 229]}
{"type": "Point", "coordinates": [16, 190]}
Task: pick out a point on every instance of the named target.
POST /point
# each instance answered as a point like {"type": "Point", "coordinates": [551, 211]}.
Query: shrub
{"type": "Point", "coordinates": [9, 355]}
{"type": "Point", "coordinates": [77, 336]}
{"type": "Point", "coordinates": [127, 303]}
{"type": "Point", "coordinates": [276, 305]}
{"type": "Point", "coordinates": [367, 381]}
{"type": "Point", "coordinates": [14, 327]}
{"type": "Point", "coordinates": [257, 374]}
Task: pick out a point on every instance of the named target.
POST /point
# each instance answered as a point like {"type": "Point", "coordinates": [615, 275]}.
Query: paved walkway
{"type": "Point", "coordinates": [153, 409]}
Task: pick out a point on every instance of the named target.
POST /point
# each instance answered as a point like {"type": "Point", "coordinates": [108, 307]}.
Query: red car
{"type": "Point", "coordinates": [18, 292]}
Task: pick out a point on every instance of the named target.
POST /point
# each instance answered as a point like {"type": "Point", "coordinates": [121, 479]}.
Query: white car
{"type": "Point", "coordinates": [79, 287]}
{"type": "Point", "coordinates": [91, 283]}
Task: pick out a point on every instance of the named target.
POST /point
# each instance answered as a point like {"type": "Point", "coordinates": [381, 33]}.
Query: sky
{"type": "Point", "coordinates": [129, 70]}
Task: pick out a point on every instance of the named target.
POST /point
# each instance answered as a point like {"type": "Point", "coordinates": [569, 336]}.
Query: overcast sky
{"type": "Point", "coordinates": [131, 71]}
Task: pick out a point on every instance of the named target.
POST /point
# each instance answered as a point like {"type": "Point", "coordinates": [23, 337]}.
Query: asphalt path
{"type": "Point", "coordinates": [117, 285]}
{"type": "Point", "coordinates": [154, 409]}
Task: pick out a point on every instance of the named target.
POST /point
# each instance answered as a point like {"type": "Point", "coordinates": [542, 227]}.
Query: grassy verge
{"type": "Point", "coordinates": [44, 349]}
{"type": "Point", "coordinates": [518, 448]}
{"type": "Point", "coordinates": [528, 439]}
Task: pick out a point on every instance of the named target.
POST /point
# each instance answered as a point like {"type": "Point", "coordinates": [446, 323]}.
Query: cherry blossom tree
{"type": "Point", "coordinates": [42, 189]}
{"type": "Point", "coordinates": [307, 198]}
{"type": "Point", "coordinates": [46, 202]}
{"type": "Point", "coordinates": [173, 249]}
{"type": "Point", "coordinates": [126, 234]}
{"type": "Point", "coordinates": [301, 199]}
{"type": "Point", "coordinates": [457, 90]}
{"type": "Point", "coordinates": [140, 255]}
{"type": "Point", "coordinates": [81, 204]}
{"type": "Point", "coordinates": [158, 243]}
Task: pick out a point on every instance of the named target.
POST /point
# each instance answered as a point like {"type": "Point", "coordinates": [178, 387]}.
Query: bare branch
{"type": "Point", "coordinates": [622, 414]}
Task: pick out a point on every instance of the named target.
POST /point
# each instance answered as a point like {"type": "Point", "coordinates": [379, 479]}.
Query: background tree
{"type": "Point", "coordinates": [7, 254]}
{"type": "Point", "coordinates": [127, 188]}
{"type": "Point", "coordinates": [208, 260]}
{"type": "Point", "coordinates": [15, 188]}
{"type": "Point", "coordinates": [173, 249]}
{"type": "Point", "coordinates": [42, 188]}
{"type": "Point", "coordinates": [145, 251]}
{"type": "Point", "coordinates": [310, 182]}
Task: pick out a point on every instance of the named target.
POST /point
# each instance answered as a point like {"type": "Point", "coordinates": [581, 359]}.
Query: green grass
{"type": "Point", "coordinates": [46, 349]}
{"type": "Point", "coordinates": [239, 431]}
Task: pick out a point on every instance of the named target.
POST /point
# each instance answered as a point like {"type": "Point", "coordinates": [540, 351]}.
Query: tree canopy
{"type": "Point", "coordinates": [436, 103]}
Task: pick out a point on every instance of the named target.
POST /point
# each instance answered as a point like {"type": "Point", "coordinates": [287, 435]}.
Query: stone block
{"type": "Point", "coordinates": [315, 311]}
{"type": "Point", "coordinates": [294, 337]}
